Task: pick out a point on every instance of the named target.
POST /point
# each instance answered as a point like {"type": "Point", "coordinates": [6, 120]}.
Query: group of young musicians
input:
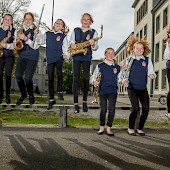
{"type": "Point", "coordinates": [57, 51]}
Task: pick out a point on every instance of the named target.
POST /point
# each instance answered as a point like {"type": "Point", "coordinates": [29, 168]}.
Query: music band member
{"type": "Point", "coordinates": [141, 68]}
{"type": "Point", "coordinates": [7, 57]}
{"type": "Point", "coordinates": [82, 34]}
{"type": "Point", "coordinates": [108, 86]}
{"type": "Point", "coordinates": [28, 59]}
{"type": "Point", "coordinates": [56, 52]}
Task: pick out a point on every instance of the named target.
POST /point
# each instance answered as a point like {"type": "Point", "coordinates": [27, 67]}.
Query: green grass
{"type": "Point", "coordinates": [18, 116]}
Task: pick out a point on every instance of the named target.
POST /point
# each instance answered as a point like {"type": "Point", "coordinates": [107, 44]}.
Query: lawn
{"type": "Point", "coordinates": [18, 116]}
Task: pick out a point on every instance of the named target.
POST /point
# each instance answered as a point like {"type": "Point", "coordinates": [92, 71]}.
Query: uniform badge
{"type": "Point", "coordinates": [144, 64]}
{"type": "Point", "coordinates": [88, 37]}
{"type": "Point", "coordinates": [58, 38]}
{"type": "Point", "coordinates": [114, 70]}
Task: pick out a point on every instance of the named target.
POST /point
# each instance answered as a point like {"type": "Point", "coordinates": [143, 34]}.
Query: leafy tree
{"type": "Point", "coordinates": [67, 76]}
{"type": "Point", "coordinates": [15, 7]}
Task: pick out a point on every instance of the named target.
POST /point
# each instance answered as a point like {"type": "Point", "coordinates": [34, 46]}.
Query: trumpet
{"type": "Point", "coordinates": [18, 44]}
{"type": "Point", "coordinates": [4, 41]}
{"type": "Point", "coordinates": [81, 48]}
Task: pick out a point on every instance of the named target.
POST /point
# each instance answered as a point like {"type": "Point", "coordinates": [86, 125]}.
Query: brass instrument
{"type": "Point", "coordinates": [96, 89]}
{"type": "Point", "coordinates": [4, 41]}
{"type": "Point", "coordinates": [18, 44]}
{"type": "Point", "coordinates": [81, 48]}
{"type": "Point", "coordinates": [125, 73]}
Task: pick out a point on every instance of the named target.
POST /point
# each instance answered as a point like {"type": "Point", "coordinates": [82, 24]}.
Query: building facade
{"type": "Point", "coordinates": [151, 18]}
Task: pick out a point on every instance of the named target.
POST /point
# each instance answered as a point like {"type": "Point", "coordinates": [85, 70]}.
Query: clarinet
{"type": "Point", "coordinates": [125, 73]}
{"type": "Point", "coordinates": [38, 23]}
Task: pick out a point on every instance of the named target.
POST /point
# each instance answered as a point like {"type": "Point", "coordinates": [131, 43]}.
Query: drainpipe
{"type": "Point", "coordinates": [152, 52]}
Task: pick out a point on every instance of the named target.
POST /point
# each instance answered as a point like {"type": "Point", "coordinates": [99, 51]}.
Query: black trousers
{"type": "Point", "coordinates": [59, 72]}
{"type": "Point", "coordinates": [135, 97]}
{"type": "Point", "coordinates": [168, 96]}
{"type": "Point", "coordinates": [76, 78]}
{"type": "Point", "coordinates": [24, 74]}
{"type": "Point", "coordinates": [6, 64]}
{"type": "Point", "coordinates": [111, 98]}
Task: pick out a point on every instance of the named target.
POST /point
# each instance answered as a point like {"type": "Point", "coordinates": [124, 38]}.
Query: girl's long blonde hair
{"type": "Point", "coordinates": [65, 29]}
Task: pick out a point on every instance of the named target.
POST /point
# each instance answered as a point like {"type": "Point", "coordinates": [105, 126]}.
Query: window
{"type": "Point", "coordinates": [165, 17]}
{"type": "Point", "coordinates": [157, 80]}
{"type": "Point", "coordinates": [137, 17]}
{"type": "Point", "coordinates": [146, 7]}
{"type": "Point", "coordinates": [141, 34]}
{"type": "Point", "coordinates": [145, 30]}
{"type": "Point", "coordinates": [137, 35]}
{"type": "Point", "coordinates": [163, 47]}
{"type": "Point", "coordinates": [158, 24]}
{"type": "Point", "coordinates": [157, 53]}
{"type": "Point", "coordinates": [163, 79]}
{"type": "Point", "coordinates": [46, 82]}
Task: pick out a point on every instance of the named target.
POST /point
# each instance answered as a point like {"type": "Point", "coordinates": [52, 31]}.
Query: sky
{"type": "Point", "coordinates": [116, 16]}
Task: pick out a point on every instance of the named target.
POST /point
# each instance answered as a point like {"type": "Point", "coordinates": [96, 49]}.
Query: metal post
{"type": "Point", "coordinates": [52, 15]}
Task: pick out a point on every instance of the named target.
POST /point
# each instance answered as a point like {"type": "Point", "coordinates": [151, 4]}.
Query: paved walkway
{"type": "Point", "coordinates": [28, 148]}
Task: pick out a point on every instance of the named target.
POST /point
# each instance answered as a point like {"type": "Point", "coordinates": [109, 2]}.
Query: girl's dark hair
{"type": "Point", "coordinates": [7, 14]}
{"type": "Point", "coordinates": [29, 13]}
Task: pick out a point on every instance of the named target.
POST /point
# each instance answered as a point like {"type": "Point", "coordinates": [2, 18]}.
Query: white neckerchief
{"type": "Point", "coordinates": [85, 30]}
{"type": "Point", "coordinates": [6, 28]}
{"type": "Point", "coordinates": [30, 27]}
{"type": "Point", "coordinates": [109, 62]}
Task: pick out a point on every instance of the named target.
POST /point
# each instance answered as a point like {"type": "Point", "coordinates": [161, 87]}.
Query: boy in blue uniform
{"type": "Point", "coordinates": [108, 86]}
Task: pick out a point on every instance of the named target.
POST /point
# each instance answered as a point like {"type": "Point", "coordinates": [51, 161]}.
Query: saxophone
{"type": "Point", "coordinates": [81, 48]}
{"type": "Point", "coordinates": [18, 44]}
{"type": "Point", "coordinates": [96, 89]}
{"type": "Point", "coordinates": [4, 41]}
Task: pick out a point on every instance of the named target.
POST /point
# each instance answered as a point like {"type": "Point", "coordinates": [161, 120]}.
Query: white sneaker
{"type": "Point", "coordinates": [131, 132]}
{"type": "Point", "coordinates": [141, 132]}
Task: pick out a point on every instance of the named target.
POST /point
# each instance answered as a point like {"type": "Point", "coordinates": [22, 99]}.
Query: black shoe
{"type": "Point", "coordinates": [20, 100]}
{"type": "Point", "coordinates": [8, 99]}
{"type": "Point", "coordinates": [76, 109]}
{"type": "Point", "coordinates": [60, 96]}
{"type": "Point", "coordinates": [50, 104]}
{"type": "Point", "coordinates": [31, 100]}
{"type": "Point", "coordinates": [110, 134]}
{"type": "Point", "coordinates": [100, 132]}
{"type": "Point", "coordinates": [85, 108]}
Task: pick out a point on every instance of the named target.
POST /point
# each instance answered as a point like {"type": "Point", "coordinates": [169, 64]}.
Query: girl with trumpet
{"type": "Point", "coordinates": [82, 34]}
{"type": "Point", "coordinates": [108, 86]}
{"type": "Point", "coordinates": [28, 59]}
{"type": "Point", "coordinates": [56, 52]}
{"type": "Point", "coordinates": [136, 82]}
{"type": "Point", "coordinates": [7, 57]}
